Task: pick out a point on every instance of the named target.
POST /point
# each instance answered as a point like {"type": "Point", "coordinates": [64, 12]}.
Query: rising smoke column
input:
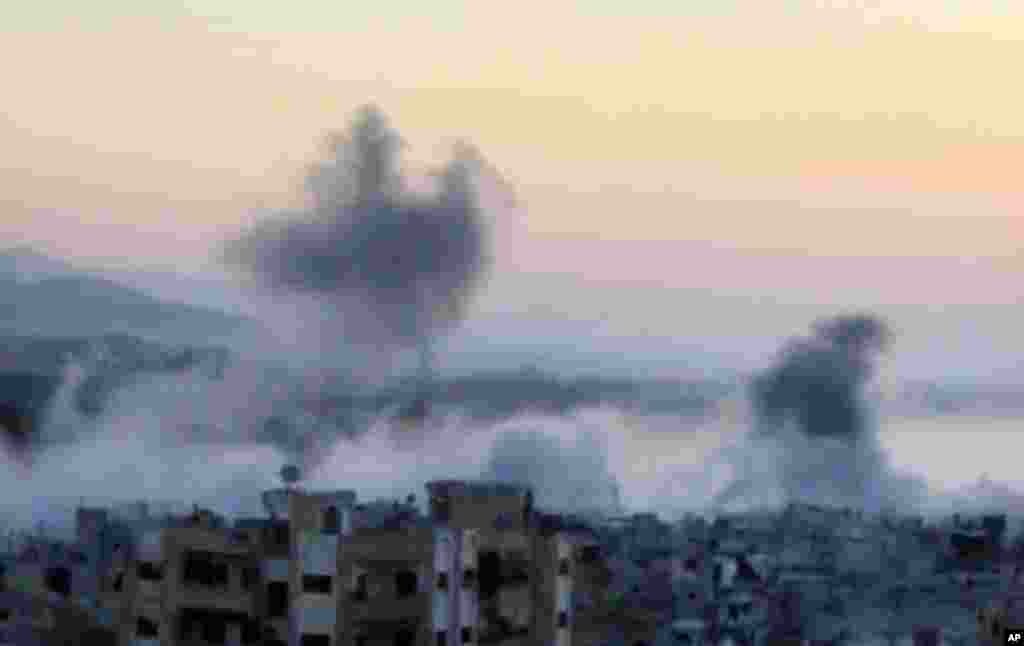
{"type": "Point", "coordinates": [824, 446]}
{"type": "Point", "coordinates": [397, 268]}
{"type": "Point", "coordinates": [818, 382]}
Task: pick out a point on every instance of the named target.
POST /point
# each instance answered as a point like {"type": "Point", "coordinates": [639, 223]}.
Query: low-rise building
{"type": "Point", "coordinates": [29, 617]}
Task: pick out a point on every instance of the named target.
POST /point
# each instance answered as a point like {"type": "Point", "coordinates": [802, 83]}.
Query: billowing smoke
{"type": "Point", "coordinates": [814, 426]}
{"type": "Point", "coordinates": [396, 268]}
{"type": "Point", "coordinates": [83, 372]}
{"type": "Point", "coordinates": [140, 447]}
{"type": "Point", "coordinates": [817, 385]}
{"type": "Point", "coordinates": [565, 475]}
{"type": "Point", "coordinates": [190, 438]}
{"type": "Point", "coordinates": [187, 438]}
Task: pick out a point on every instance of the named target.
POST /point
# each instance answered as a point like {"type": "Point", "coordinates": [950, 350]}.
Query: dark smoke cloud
{"type": "Point", "coordinates": [142, 445]}
{"type": "Point", "coordinates": [814, 428]}
{"type": "Point", "coordinates": [818, 383]}
{"type": "Point", "coordinates": [397, 268]}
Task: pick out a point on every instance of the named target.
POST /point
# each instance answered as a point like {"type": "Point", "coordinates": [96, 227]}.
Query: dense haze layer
{"type": "Point", "coordinates": [805, 430]}
{"type": "Point", "coordinates": [593, 458]}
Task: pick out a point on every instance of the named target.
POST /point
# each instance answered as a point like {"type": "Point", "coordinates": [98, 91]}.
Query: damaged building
{"type": "Point", "coordinates": [483, 567]}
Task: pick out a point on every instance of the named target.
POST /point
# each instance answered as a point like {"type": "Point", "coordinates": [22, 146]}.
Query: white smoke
{"type": "Point", "coordinates": [145, 446]}
{"type": "Point", "coordinates": [139, 448]}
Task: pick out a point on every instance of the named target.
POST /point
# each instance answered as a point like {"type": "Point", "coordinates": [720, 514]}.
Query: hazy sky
{"type": "Point", "coordinates": [685, 161]}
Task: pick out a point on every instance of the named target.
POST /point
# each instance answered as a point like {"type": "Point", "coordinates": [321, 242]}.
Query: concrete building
{"type": "Point", "coordinates": [29, 619]}
{"type": "Point", "coordinates": [638, 572]}
{"type": "Point", "coordinates": [318, 523]}
{"type": "Point", "coordinates": [509, 571]}
{"type": "Point", "coordinates": [741, 609]}
{"type": "Point", "coordinates": [483, 567]}
{"type": "Point", "coordinates": [190, 581]}
{"type": "Point", "coordinates": [1007, 610]}
{"type": "Point", "coordinates": [42, 599]}
{"type": "Point", "coordinates": [197, 580]}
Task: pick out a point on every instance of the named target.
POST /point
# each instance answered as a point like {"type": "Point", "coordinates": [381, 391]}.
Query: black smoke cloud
{"type": "Point", "coordinates": [818, 383]}
{"type": "Point", "coordinates": [814, 429]}
{"type": "Point", "coordinates": [34, 371]}
{"type": "Point", "coordinates": [397, 268]}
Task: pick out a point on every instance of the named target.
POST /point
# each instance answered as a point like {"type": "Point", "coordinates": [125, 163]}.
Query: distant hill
{"type": "Point", "coordinates": [40, 296]}
{"type": "Point", "coordinates": [27, 264]}
{"type": "Point", "coordinates": [52, 312]}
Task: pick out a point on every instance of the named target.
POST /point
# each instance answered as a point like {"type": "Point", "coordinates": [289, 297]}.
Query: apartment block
{"type": "Point", "coordinates": [44, 597]}
{"type": "Point", "coordinates": [318, 523]}
{"type": "Point", "coordinates": [386, 570]}
{"type": "Point", "coordinates": [321, 570]}
{"type": "Point", "coordinates": [191, 583]}
{"type": "Point", "coordinates": [508, 577]}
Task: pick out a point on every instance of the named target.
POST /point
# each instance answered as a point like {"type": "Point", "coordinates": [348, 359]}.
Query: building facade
{"type": "Point", "coordinates": [321, 570]}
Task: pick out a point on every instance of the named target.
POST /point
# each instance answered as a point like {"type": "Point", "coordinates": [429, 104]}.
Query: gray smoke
{"type": "Point", "coordinates": [190, 438]}
{"type": "Point", "coordinates": [815, 427]}
{"type": "Point", "coordinates": [818, 383]}
{"type": "Point", "coordinates": [396, 268]}
{"type": "Point", "coordinates": [565, 476]}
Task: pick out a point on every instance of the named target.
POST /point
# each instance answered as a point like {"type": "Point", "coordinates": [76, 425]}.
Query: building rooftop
{"type": "Point", "coordinates": [478, 488]}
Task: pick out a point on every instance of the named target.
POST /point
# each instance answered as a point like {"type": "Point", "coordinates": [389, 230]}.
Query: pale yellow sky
{"type": "Point", "coordinates": [784, 133]}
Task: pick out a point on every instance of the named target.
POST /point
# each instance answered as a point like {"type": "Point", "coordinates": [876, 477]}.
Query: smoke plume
{"type": "Point", "coordinates": [568, 476]}
{"type": "Point", "coordinates": [818, 383]}
{"type": "Point", "coordinates": [814, 425]}
{"type": "Point", "coordinates": [396, 268]}
{"type": "Point", "coordinates": [191, 438]}
{"type": "Point", "coordinates": [188, 438]}
{"type": "Point", "coordinates": [141, 447]}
